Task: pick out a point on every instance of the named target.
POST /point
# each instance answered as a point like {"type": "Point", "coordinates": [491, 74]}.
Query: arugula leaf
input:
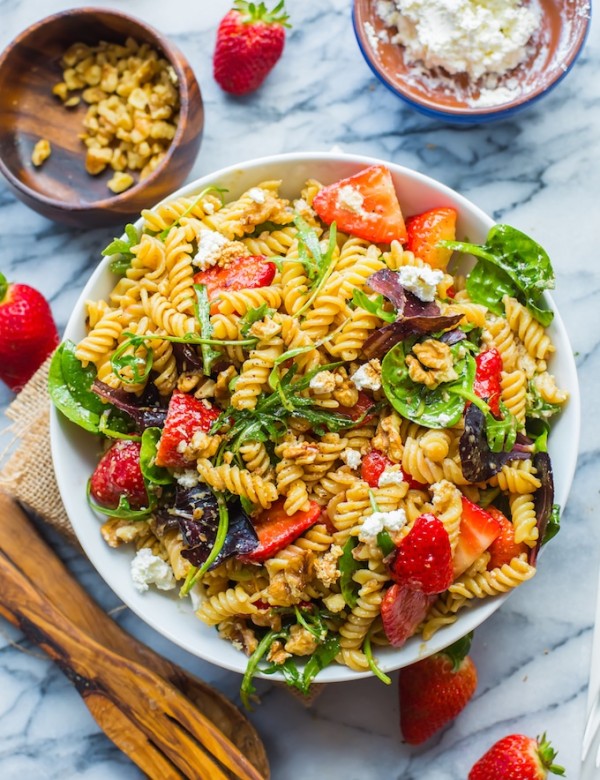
{"type": "Point", "coordinates": [313, 621]}
{"type": "Point", "coordinates": [371, 661]}
{"type": "Point", "coordinates": [213, 188]}
{"type": "Point", "coordinates": [375, 306]}
{"type": "Point", "coordinates": [553, 526]}
{"type": "Point", "coordinates": [202, 310]}
{"type": "Point", "coordinates": [123, 511]}
{"type": "Point", "coordinates": [521, 258]}
{"type": "Point", "coordinates": [247, 689]}
{"type": "Point", "coordinates": [120, 249]}
{"type": "Point", "coordinates": [537, 407]}
{"type": "Point", "coordinates": [347, 565]}
{"type": "Point", "coordinates": [385, 543]}
{"type": "Point", "coordinates": [501, 434]}
{"type": "Point", "coordinates": [195, 574]}
{"type": "Point", "coordinates": [440, 407]}
{"type": "Point", "coordinates": [318, 265]}
{"type": "Point", "coordinates": [157, 475]}
{"type": "Point", "coordinates": [127, 356]}
{"type": "Point", "coordinates": [64, 400]}
{"type": "Point", "coordinates": [254, 315]}
{"type": "Point", "coordinates": [322, 657]}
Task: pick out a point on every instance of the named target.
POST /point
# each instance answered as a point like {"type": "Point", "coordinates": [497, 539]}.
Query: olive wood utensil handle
{"type": "Point", "coordinates": [34, 557]}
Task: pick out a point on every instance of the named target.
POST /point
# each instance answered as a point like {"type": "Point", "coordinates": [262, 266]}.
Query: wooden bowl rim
{"type": "Point", "coordinates": [543, 86]}
{"type": "Point", "coordinates": [175, 57]}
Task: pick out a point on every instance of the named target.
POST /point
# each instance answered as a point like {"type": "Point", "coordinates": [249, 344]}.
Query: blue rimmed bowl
{"type": "Point", "coordinates": [554, 49]}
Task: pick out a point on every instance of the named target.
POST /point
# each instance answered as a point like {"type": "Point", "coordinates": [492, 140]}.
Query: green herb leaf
{"type": "Point", "coordinates": [64, 400]}
{"type": "Point", "coordinates": [157, 475]}
{"type": "Point", "coordinates": [120, 250]}
{"type": "Point", "coordinates": [247, 689]}
{"type": "Point", "coordinates": [441, 407]}
{"type": "Point", "coordinates": [254, 315]}
{"type": "Point", "coordinates": [371, 661]}
{"type": "Point", "coordinates": [522, 259]}
{"type": "Point", "coordinates": [553, 526]}
{"type": "Point", "coordinates": [347, 565]}
{"type": "Point", "coordinates": [202, 310]}
{"type": "Point", "coordinates": [385, 543]}
{"type": "Point", "coordinates": [128, 356]}
{"type": "Point", "coordinates": [375, 306]}
{"type": "Point", "coordinates": [123, 510]}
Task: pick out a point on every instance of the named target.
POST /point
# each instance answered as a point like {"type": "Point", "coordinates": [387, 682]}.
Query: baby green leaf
{"type": "Point", "coordinates": [123, 511]}
{"type": "Point", "coordinates": [64, 400]}
{"type": "Point", "coordinates": [128, 356]}
{"type": "Point", "coordinates": [79, 380]}
{"type": "Point", "coordinates": [121, 248]}
{"type": "Point", "coordinates": [375, 306]}
{"type": "Point", "coordinates": [347, 565]}
{"type": "Point", "coordinates": [202, 310]}
{"type": "Point", "coordinates": [247, 689]}
{"type": "Point", "coordinates": [150, 471]}
{"type": "Point", "coordinates": [254, 315]}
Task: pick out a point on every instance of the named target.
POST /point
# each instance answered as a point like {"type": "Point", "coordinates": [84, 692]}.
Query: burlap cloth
{"type": "Point", "coordinates": [27, 473]}
{"type": "Point", "coordinates": [26, 470]}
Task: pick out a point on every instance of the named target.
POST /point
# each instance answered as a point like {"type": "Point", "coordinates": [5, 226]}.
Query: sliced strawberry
{"type": "Point", "coordinates": [423, 559]}
{"type": "Point", "coordinates": [375, 463]}
{"type": "Point", "coordinates": [359, 410]}
{"type": "Point", "coordinates": [426, 230]}
{"type": "Point", "coordinates": [119, 474]}
{"type": "Point", "coordinates": [478, 529]}
{"type": "Point", "coordinates": [402, 610]}
{"type": "Point", "coordinates": [244, 273]}
{"type": "Point", "coordinates": [364, 205]}
{"type": "Point", "coordinates": [488, 377]}
{"type": "Point", "coordinates": [185, 416]}
{"type": "Point", "coordinates": [504, 548]}
{"type": "Point", "coordinates": [435, 690]}
{"type": "Point", "coordinates": [276, 529]}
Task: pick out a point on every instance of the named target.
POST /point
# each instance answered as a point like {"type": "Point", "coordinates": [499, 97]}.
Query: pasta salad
{"type": "Point", "coordinates": [312, 425]}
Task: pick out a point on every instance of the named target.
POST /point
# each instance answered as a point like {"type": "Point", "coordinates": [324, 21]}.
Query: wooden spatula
{"type": "Point", "coordinates": [38, 578]}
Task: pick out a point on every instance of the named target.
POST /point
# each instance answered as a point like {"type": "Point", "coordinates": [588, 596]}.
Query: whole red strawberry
{"type": "Point", "coordinates": [27, 332]}
{"type": "Point", "coordinates": [517, 757]}
{"type": "Point", "coordinates": [424, 557]}
{"type": "Point", "coordinates": [250, 40]}
{"type": "Point", "coordinates": [119, 474]}
{"type": "Point", "coordinates": [434, 691]}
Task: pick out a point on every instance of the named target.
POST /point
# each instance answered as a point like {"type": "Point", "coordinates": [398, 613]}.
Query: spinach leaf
{"type": "Point", "coordinates": [521, 258]}
{"type": "Point", "coordinates": [347, 565]}
{"type": "Point", "coordinates": [79, 380]}
{"type": "Point", "coordinates": [440, 407]}
{"type": "Point", "coordinates": [553, 526]}
{"type": "Point", "coordinates": [64, 400]}
{"type": "Point", "coordinates": [487, 285]}
{"type": "Point", "coordinates": [150, 471]}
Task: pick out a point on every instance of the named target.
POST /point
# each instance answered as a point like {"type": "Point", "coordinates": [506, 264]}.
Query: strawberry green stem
{"type": "Point", "coordinates": [257, 12]}
{"type": "Point", "coordinates": [547, 754]}
{"type": "Point", "coordinates": [3, 287]}
{"type": "Point", "coordinates": [458, 651]}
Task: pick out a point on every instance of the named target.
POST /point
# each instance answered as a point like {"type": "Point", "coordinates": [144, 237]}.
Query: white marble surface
{"type": "Point", "coordinates": [539, 172]}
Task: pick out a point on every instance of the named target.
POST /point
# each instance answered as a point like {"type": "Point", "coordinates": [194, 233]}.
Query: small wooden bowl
{"type": "Point", "coordinates": [61, 189]}
{"type": "Point", "coordinates": [555, 48]}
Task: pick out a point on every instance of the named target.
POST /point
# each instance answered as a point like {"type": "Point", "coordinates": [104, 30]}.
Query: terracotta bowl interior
{"type": "Point", "coordinates": [554, 48]}
{"type": "Point", "coordinates": [29, 68]}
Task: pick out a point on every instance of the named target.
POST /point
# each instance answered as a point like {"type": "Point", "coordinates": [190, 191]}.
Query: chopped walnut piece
{"type": "Point", "coordinates": [326, 568]}
{"type": "Point", "coordinates": [277, 654]}
{"type": "Point", "coordinates": [432, 365]}
{"type": "Point", "coordinates": [301, 641]}
{"type": "Point", "coordinates": [41, 152]}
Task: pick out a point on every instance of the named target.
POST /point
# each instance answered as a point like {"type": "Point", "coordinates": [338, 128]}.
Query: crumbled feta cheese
{"type": "Point", "coordinates": [148, 569]}
{"type": "Point", "coordinates": [323, 382]}
{"type": "Point", "coordinates": [351, 458]}
{"type": "Point", "coordinates": [187, 479]}
{"type": "Point", "coordinates": [391, 476]}
{"type": "Point", "coordinates": [379, 521]}
{"type": "Point", "coordinates": [421, 282]}
{"type": "Point", "coordinates": [303, 208]}
{"type": "Point", "coordinates": [368, 376]}
{"type": "Point", "coordinates": [372, 36]}
{"type": "Point", "coordinates": [182, 446]}
{"type": "Point", "coordinates": [257, 195]}
{"type": "Point", "coordinates": [209, 208]}
{"type": "Point", "coordinates": [444, 419]}
{"type": "Point", "coordinates": [210, 244]}
{"type": "Point", "coordinates": [350, 199]}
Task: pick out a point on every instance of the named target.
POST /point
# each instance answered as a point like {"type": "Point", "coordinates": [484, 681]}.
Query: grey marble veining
{"type": "Point", "coordinates": [540, 172]}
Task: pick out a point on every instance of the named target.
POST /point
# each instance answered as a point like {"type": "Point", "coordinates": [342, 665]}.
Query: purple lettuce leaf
{"type": "Point", "coordinates": [452, 337]}
{"type": "Point", "coordinates": [543, 499]}
{"type": "Point", "coordinates": [186, 357]}
{"type": "Point", "coordinates": [144, 411]}
{"type": "Point", "coordinates": [196, 512]}
{"type": "Point", "coordinates": [478, 461]}
{"type": "Point", "coordinates": [383, 339]}
{"type": "Point", "coordinates": [386, 282]}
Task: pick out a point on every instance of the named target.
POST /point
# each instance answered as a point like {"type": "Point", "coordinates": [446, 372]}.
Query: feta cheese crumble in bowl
{"type": "Point", "coordinates": [471, 61]}
{"type": "Point", "coordinates": [366, 461]}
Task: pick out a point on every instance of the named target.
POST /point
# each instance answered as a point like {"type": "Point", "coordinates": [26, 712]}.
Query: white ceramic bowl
{"type": "Point", "coordinates": [76, 452]}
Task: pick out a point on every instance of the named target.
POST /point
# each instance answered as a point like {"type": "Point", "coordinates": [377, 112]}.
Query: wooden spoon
{"type": "Point", "coordinates": [24, 547]}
